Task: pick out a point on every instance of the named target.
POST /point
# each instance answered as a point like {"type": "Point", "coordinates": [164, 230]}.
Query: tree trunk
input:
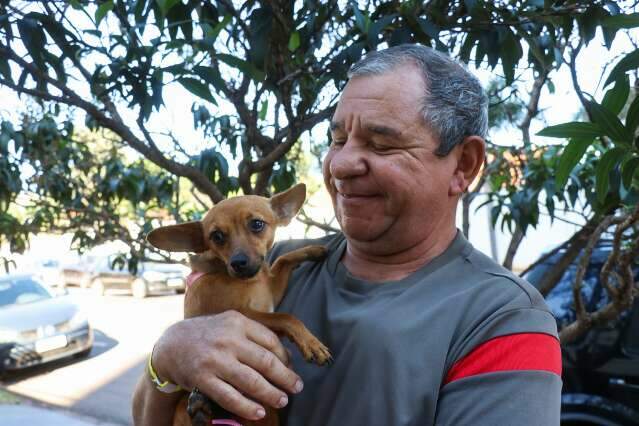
{"type": "Point", "coordinates": [515, 241]}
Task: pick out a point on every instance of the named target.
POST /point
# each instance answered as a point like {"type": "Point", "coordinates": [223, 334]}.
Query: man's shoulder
{"type": "Point", "coordinates": [493, 278]}
{"type": "Point", "coordinates": [496, 302]}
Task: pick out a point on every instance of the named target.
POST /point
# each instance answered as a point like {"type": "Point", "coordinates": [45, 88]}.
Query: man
{"type": "Point", "coordinates": [423, 328]}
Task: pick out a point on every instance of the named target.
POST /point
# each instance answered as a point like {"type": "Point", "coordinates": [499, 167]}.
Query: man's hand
{"type": "Point", "coordinates": [230, 358]}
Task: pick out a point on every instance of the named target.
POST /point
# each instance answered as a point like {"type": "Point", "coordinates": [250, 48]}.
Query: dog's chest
{"type": "Point", "coordinates": [212, 294]}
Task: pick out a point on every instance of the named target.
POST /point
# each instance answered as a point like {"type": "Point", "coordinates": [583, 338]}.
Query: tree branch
{"type": "Point", "coordinates": [117, 126]}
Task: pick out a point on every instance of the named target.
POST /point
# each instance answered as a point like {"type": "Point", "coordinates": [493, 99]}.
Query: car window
{"type": "Point", "coordinates": [20, 291]}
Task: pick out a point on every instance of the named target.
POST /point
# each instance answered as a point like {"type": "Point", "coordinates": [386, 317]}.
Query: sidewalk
{"type": "Point", "coordinates": [17, 412]}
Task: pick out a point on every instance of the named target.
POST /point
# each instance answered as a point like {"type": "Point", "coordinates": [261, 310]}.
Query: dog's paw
{"type": "Point", "coordinates": [316, 252]}
{"type": "Point", "coordinates": [315, 351]}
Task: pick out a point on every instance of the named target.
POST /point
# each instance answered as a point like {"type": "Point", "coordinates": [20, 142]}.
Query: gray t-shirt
{"type": "Point", "coordinates": [461, 341]}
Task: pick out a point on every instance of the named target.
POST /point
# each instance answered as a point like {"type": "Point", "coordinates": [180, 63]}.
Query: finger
{"type": "Point", "coordinates": [251, 383]}
{"type": "Point", "coordinates": [270, 366]}
{"type": "Point", "coordinates": [232, 400]}
{"type": "Point", "coordinates": [266, 338]}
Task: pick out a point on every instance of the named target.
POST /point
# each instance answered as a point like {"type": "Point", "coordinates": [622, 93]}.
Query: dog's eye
{"type": "Point", "coordinates": [256, 225]}
{"type": "Point", "coordinates": [218, 237]}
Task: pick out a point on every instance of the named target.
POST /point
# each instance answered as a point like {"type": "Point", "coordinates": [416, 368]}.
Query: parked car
{"type": "Point", "coordinates": [150, 278]}
{"type": "Point", "coordinates": [601, 369]}
{"type": "Point", "coordinates": [79, 273]}
{"type": "Point", "coordinates": [37, 326]}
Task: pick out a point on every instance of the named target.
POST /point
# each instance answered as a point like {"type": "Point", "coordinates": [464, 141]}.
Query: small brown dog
{"type": "Point", "coordinates": [231, 243]}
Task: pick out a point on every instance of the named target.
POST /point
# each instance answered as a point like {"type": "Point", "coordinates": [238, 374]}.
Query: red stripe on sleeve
{"type": "Point", "coordinates": [525, 351]}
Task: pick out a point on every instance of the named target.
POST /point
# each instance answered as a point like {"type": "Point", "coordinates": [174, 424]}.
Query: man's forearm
{"type": "Point", "coordinates": [151, 407]}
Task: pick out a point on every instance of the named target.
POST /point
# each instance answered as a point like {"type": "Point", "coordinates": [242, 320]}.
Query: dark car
{"type": "Point", "coordinates": [600, 369]}
{"type": "Point", "coordinates": [150, 278]}
{"type": "Point", "coordinates": [38, 326]}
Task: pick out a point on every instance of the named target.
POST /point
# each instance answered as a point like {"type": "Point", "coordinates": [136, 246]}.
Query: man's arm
{"type": "Point", "coordinates": [151, 407]}
{"type": "Point", "coordinates": [508, 376]}
{"type": "Point", "coordinates": [235, 361]}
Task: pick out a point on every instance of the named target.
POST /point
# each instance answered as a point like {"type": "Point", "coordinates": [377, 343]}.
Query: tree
{"type": "Point", "coordinates": [264, 74]}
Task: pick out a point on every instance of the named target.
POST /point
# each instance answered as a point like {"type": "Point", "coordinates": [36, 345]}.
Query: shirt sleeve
{"type": "Point", "coordinates": [508, 374]}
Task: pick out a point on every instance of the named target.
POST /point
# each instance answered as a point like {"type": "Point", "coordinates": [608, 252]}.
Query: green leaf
{"type": "Point", "coordinates": [242, 65]}
{"type": "Point", "coordinates": [615, 98]}
{"type": "Point", "coordinates": [263, 110]}
{"type": "Point", "coordinates": [574, 129]}
{"type": "Point", "coordinates": [630, 20]}
{"type": "Point", "coordinates": [511, 53]}
{"type": "Point", "coordinates": [197, 88]}
{"type": "Point", "coordinates": [609, 160]}
{"type": "Point", "coordinates": [628, 170]}
{"type": "Point", "coordinates": [609, 123]}
{"type": "Point", "coordinates": [569, 159]}
{"type": "Point", "coordinates": [211, 75]}
{"type": "Point", "coordinates": [628, 63]}
{"type": "Point", "coordinates": [294, 41]}
{"type": "Point", "coordinates": [430, 29]}
{"type": "Point", "coordinates": [34, 40]}
{"type": "Point", "coordinates": [102, 10]}
{"type": "Point", "coordinates": [632, 116]}
{"type": "Point", "coordinates": [166, 5]}
{"type": "Point", "coordinates": [362, 21]}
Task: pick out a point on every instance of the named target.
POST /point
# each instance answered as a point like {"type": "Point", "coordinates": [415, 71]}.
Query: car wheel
{"type": "Point", "coordinates": [85, 282]}
{"type": "Point", "coordinates": [98, 287]}
{"type": "Point", "coordinates": [139, 288]}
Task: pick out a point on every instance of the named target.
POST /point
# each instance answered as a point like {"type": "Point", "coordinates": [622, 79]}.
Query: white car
{"type": "Point", "coordinates": [38, 326]}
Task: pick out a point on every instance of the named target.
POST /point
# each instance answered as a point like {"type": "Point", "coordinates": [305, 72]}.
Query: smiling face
{"type": "Point", "coordinates": [386, 183]}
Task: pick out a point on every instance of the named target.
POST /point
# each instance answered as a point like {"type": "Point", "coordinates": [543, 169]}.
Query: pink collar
{"type": "Point", "coordinates": [192, 277]}
{"type": "Point", "coordinates": [226, 422]}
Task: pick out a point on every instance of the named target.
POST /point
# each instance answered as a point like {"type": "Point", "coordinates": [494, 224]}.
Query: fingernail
{"type": "Point", "coordinates": [260, 413]}
{"type": "Point", "coordinates": [299, 386]}
{"type": "Point", "coordinates": [282, 402]}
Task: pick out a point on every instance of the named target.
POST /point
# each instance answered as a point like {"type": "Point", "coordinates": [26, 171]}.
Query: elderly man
{"type": "Point", "coordinates": [423, 328]}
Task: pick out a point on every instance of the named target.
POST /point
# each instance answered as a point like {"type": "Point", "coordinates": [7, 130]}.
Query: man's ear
{"type": "Point", "coordinates": [471, 154]}
{"type": "Point", "coordinates": [187, 236]}
{"type": "Point", "coordinates": [286, 204]}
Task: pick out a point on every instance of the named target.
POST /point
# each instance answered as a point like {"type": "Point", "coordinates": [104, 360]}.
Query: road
{"type": "Point", "coordinates": [101, 385]}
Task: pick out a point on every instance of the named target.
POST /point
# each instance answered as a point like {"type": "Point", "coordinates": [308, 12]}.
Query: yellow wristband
{"type": "Point", "coordinates": [165, 387]}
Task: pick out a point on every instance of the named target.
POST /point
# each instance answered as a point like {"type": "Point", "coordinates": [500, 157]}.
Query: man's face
{"type": "Point", "coordinates": [381, 170]}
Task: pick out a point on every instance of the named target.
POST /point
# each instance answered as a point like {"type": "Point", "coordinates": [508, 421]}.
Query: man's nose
{"type": "Point", "coordinates": [349, 161]}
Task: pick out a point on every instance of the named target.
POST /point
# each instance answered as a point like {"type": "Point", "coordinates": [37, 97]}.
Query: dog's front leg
{"type": "Point", "coordinates": [284, 265]}
{"type": "Point", "coordinates": [312, 349]}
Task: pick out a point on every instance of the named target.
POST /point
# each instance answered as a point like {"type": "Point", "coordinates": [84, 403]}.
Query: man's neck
{"type": "Point", "coordinates": [394, 265]}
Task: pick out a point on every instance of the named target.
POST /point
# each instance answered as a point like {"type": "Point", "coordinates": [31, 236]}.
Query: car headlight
{"type": "Point", "coordinates": [153, 276]}
{"type": "Point", "coordinates": [78, 320]}
{"type": "Point", "coordinates": [8, 336]}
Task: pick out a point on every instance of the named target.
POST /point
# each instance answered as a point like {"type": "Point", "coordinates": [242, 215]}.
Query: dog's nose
{"type": "Point", "coordinates": [240, 263]}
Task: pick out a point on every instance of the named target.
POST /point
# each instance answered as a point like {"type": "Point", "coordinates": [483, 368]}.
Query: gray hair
{"type": "Point", "coordinates": [454, 105]}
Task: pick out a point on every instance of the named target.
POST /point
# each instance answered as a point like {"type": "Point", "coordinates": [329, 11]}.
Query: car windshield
{"type": "Point", "coordinates": [18, 291]}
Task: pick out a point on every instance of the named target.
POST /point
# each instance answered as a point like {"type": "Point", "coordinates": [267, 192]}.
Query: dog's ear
{"type": "Point", "coordinates": [286, 204]}
{"type": "Point", "coordinates": [188, 236]}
